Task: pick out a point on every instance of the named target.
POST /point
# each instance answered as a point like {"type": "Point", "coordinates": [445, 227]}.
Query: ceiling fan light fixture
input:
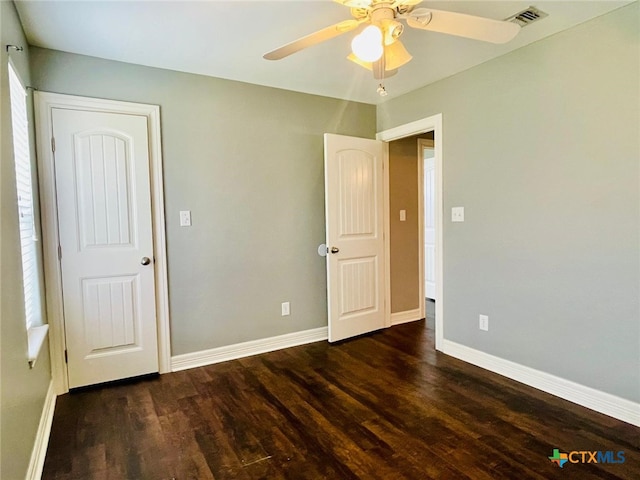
{"type": "Point", "coordinates": [392, 30]}
{"type": "Point", "coordinates": [357, 61]}
{"type": "Point", "coordinates": [396, 55]}
{"type": "Point", "coordinates": [388, 72]}
{"type": "Point", "coordinates": [367, 46]}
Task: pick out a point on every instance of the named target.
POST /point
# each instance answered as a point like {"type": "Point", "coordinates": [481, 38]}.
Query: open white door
{"type": "Point", "coordinates": [106, 240]}
{"type": "Point", "coordinates": [354, 204]}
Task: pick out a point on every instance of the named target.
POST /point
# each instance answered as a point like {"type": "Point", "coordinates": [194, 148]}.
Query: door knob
{"type": "Point", "coordinates": [335, 249]}
{"type": "Point", "coordinates": [145, 261]}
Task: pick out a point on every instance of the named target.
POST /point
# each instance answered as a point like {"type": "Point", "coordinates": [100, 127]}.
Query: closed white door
{"type": "Point", "coordinates": [429, 223]}
{"type": "Point", "coordinates": [104, 216]}
{"type": "Point", "coordinates": [354, 204]}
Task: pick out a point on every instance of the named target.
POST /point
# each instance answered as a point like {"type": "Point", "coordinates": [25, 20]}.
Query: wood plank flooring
{"type": "Point", "coordinates": [383, 406]}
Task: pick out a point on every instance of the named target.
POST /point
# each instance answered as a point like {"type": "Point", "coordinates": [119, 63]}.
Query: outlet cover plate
{"type": "Point", "coordinates": [457, 214]}
{"type": "Point", "coordinates": [185, 218]}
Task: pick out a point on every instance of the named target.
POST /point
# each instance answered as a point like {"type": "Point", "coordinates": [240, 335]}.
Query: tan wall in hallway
{"type": "Point", "coordinates": [403, 195]}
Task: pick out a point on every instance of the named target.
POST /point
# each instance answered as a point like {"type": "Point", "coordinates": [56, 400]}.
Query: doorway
{"type": "Point", "coordinates": [102, 142]}
{"type": "Point", "coordinates": [430, 127]}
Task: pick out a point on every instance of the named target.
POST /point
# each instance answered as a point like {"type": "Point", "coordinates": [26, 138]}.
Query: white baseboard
{"type": "Point", "coordinates": [246, 349]}
{"type": "Point", "coordinates": [602, 402]}
{"type": "Point", "coordinates": [39, 451]}
{"type": "Point", "coordinates": [406, 316]}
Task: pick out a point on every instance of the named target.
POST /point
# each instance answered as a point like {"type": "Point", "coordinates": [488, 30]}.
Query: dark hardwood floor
{"type": "Point", "coordinates": [383, 406]}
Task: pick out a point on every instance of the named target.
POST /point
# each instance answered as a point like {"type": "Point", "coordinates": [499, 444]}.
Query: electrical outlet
{"type": "Point", "coordinates": [483, 323]}
{"type": "Point", "coordinates": [185, 218]}
{"type": "Point", "coordinates": [285, 309]}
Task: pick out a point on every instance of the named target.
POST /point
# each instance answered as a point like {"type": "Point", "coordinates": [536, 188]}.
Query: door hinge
{"type": "Point", "coordinates": [66, 358]}
{"type": "Point", "coordinates": [59, 252]}
{"type": "Point", "coordinates": [53, 144]}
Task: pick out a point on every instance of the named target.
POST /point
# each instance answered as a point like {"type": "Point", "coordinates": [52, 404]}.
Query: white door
{"type": "Point", "coordinates": [104, 216]}
{"type": "Point", "coordinates": [354, 204]}
{"type": "Point", "coordinates": [429, 223]}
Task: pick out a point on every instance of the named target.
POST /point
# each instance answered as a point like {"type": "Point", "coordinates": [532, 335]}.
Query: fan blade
{"type": "Point", "coordinates": [462, 25]}
{"type": "Point", "coordinates": [405, 3]}
{"type": "Point", "coordinates": [312, 39]}
{"type": "Point", "coordinates": [355, 3]}
{"type": "Point", "coordinates": [377, 74]}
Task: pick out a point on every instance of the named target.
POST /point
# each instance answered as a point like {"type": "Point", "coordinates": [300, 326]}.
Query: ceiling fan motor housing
{"type": "Point", "coordinates": [382, 11]}
{"type": "Point", "coordinates": [383, 16]}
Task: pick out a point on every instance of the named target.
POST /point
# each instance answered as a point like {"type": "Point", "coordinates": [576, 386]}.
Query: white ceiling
{"type": "Point", "coordinates": [227, 39]}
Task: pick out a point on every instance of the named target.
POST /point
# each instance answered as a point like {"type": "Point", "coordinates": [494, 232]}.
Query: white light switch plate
{"type": "Point", "coordinates": [185, 218]}
{"type": "Point", "coordinates": [403, 215]}
{"type": "Point", "coordinates": [286, 309]}
{"type": "Point", "coordinates": [457, 214]}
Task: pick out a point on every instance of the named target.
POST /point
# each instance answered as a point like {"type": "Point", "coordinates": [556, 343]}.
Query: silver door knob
{"type": "Point", "coordinates": [145, 261]}
{"type": "Point", "coordinates": [335, 249]}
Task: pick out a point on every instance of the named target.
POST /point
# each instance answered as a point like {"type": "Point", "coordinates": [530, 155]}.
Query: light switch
{"type": "Point", "coordinates": [403, 215]}
{"type": "Point", "coordinates": [457, 214]}
{"type": "Point", "coordinates": [185, 218]}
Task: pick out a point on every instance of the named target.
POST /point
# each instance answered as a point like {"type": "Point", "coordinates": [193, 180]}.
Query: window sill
{"type": "Point", "coordinates": [36, 336]}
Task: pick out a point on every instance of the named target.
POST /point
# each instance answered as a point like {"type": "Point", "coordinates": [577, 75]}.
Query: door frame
{"type": "Point", "coordinates": [422, 265]}
{"type": "Point", "coordinates": [424, 125]}
{"type": "Point", "coordinates": [44, 103]}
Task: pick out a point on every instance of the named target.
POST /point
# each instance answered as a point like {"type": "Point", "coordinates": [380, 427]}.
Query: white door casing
{"type": "Point", "coordinates": [105, 230]}
{"type": "Point", "coordinates": [355, 206]}
{"type": "Point", "coordinates": [121, 286]}
{"type": "Point", "coordinates": [426, 156]}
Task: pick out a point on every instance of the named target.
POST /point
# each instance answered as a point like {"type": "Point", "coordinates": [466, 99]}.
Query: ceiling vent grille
{"type": "Point", "coordinates": [527, 17]}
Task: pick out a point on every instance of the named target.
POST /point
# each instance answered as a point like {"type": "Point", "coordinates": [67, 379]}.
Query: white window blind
{"type": "Point", "coordinates": [22, 156]}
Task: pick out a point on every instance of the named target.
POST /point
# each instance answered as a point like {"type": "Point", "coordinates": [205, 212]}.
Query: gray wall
{"type": "Point", "coordinates": [23, 390]}
{"type": "Point", "coordinates": [541, 147]}
{"type": "Point", "coordinates": [248, 162]}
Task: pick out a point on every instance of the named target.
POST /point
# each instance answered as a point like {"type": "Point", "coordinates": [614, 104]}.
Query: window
{"type": "Point", "coordinates": [22, 157]}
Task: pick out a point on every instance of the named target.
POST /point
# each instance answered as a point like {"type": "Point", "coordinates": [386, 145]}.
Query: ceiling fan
{"type": "Point", "coordinates": [378, 48]}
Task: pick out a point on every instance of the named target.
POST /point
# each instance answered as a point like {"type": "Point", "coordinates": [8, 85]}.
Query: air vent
{"type": "Point", "coordinates": [527, 17]}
